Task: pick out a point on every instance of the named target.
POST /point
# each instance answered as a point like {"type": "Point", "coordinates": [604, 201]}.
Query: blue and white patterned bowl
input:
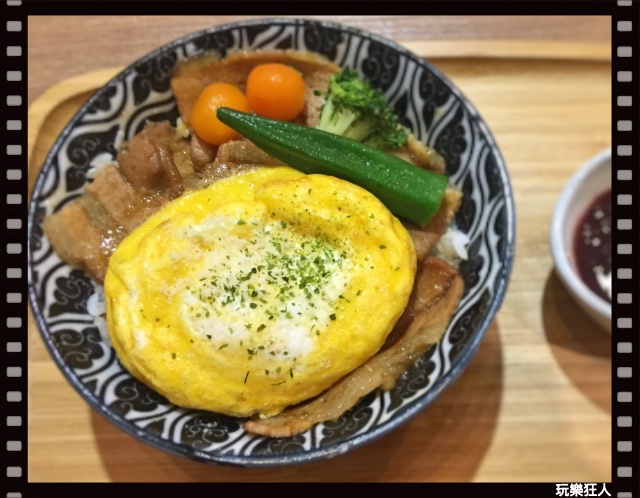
{"type": "Point", "coordinates": [424, 100]}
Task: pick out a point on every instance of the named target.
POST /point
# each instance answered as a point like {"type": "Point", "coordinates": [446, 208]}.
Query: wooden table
{"type": "Point", "coordinates": [535, 403]}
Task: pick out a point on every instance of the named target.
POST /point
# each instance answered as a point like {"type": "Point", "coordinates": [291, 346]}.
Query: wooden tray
{"type": "Point", "coordinates": [534, 404]}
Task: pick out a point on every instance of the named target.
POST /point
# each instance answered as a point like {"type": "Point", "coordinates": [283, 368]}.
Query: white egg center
{"type": "Point", "coordinates": [285, 285]}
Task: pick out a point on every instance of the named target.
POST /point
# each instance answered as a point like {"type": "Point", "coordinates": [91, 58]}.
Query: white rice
{"type": "Point", "coordinates": [96, 308]}
{"type": "Point", "coordinates": [182, 129]}
{"type": "Point", "coordinates": [119, 140]}
{"type": "Point", "coordinates": [98, 163]}
{"type": "Point", "coordinates": [452, 246]}
{"type": "Point", "coordinates": [95, 303]}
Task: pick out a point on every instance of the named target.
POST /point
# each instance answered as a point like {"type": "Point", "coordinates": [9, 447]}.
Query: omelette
{"type": "Point", "coordinates": [258, 292]}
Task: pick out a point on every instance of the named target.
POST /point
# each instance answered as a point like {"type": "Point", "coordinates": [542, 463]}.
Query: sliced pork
{"type": "Point", "coordinates": [424, 239]}
{"type": "Point", "coordinates": [435, 296]}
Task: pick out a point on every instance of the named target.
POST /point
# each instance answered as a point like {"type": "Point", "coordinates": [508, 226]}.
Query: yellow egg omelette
{"type": "Point", "coordinates": [258, 292]}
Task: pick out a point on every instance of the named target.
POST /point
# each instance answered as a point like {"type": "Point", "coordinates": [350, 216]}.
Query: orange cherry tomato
{"type": "Point", "coordinates": [203, 118]}
{"type": "Point", "coordinates": [276, 91]}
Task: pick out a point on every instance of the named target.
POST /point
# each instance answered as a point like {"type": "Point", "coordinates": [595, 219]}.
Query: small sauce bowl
{"type": "Point", "coordinates": [591, 180]}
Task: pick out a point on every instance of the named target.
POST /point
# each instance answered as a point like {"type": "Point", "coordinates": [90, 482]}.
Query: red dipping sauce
{"type": "Point", "coordinates": [592, 246]}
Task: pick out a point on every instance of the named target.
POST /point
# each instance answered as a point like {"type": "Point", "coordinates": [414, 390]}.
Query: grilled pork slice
{"type": "Point", "coordinates": [201, 153]}
{"type": "Point", "coordinates": [101, 220]}
{"type": "Point", "coordinates": [147, 160]}
{"type": "Point", "coordinates": [235, 157]}
{"type": "Point", "coordinates": [435, 296]}
{"type": "Point", "coordinates": [127, 205]}
{"type": "Point", "coordinates": [77, 241]}
{"type": "Point", "coordinates": [153, 168]}
{"type": "Point", "coordinates": [316, 82]}
{"type": "Point", "coordinates": [191, 76]}
{"type": "Point", "coordinates": [244, 152]}
{"type": "Point", "coordinates": [424, 239]}
{"type": "Point", "coordinates": [86, 231]}
{"type": "Point", "coordinates": [415, 152]}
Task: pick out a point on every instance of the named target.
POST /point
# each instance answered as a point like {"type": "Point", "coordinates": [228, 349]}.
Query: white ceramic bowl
{"type": "Point", "coordinates": [592, 179]}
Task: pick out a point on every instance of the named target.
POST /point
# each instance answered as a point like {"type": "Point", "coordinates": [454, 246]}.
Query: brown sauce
{"type": "Point", "coordinates": [592, 246]}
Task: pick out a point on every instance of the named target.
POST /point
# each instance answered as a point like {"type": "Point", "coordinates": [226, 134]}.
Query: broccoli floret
{"type": "Point", "coordinates": [355, 110]}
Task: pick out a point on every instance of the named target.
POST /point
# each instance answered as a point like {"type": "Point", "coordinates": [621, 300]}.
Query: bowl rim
{"type": "Point", "coordinates": [403, 415]}
{"type": "Point", "coordinates": [559, 249]}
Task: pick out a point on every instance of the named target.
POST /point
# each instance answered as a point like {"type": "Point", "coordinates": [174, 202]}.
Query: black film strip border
{"type": "Point", "coordinates": [13, 295]}
{"type": "Point", "coordinates": [626, 199]}
{"type": "Point", "coordinates": [626, 182]}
